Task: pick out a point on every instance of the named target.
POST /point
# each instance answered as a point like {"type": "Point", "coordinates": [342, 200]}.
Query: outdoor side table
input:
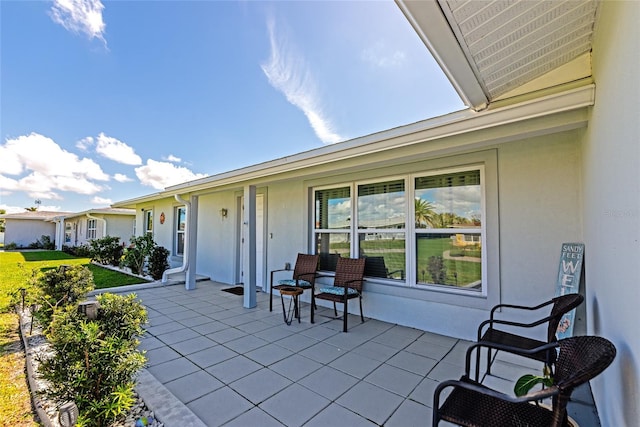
{"type": "Point", "coordinates": [293, 310]}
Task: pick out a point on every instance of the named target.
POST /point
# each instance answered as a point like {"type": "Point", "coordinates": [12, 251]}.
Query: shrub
{"type": "Point", "coordinates": [46, 242]}
{"type": "Point", "coordinates": [94, 362]}
{"type": "Point", "coordinates": [158, 262]}
{"type": "Point", "coordinates": [82, 251]}
{"type": "Point", "coordinates": [61, 287]}
{"type": "Point", "coordinates": [106, 251]}
{"type": "Point", "coordinates": [11, 246]}
{"type": "Point", "coordinates": [135, 256]}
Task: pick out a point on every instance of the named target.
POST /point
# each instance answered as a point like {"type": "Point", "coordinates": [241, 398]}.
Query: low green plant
{"type": "Point", "coordinates": [158, 262]}
{"type": "Point", "coordinates": [11, 246]}
{"type": "Point", "coordinates": [106, 251]}
{"type": "Point", "coordinates": [60, 287]}
{"type": "Point", "coordinates": [525, 383]}
{"type": "Point", "coordinates": [135, 256]}
{"type": "Point", "coordinates": [94, 362]}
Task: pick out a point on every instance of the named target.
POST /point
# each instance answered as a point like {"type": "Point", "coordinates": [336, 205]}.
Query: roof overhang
{"type": "Point", "coordinates": [431, 25]}
{"type": "Point", "coordinates": [429, 131]}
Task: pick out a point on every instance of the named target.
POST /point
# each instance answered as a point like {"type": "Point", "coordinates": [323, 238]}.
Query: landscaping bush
{"type": "Point", "coordinates": [82, 251]}
{"type": "Point", "coordinates": [12, 246]}
{"type": "Point", "coordinates": [135, 256]}
{"type": "Point", "coordinates": [107, 250]}
{"type": "Point", "coordinates": [61, 287]}
{"type": "Point", "coordinates": [158, 262]}
{"type": "Point", "coordinates": [94, 362]}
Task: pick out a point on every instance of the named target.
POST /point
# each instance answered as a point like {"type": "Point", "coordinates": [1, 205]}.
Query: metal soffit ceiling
{"type": "Point", "coordinates": [509, 43]}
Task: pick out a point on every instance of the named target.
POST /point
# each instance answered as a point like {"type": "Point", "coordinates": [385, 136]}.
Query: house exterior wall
{"type": "Point", "coordinates": [611, 164]}
{"type": "Point", "coordinates": [117, 226]}
{"type": "Point", "coordinates": [23, 232]}
{"type": "Point", "coordinates": [535, 205]}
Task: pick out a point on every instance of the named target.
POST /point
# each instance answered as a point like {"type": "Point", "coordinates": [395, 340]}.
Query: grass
{"type": "Point", "coordinates": [15, 267]}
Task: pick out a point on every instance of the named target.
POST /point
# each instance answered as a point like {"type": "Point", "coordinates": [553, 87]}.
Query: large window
{"type": "Point", "coordinates": [91, 228]}
{"type": "Point", "coordinates": [381, 214]}
{"type": "Point", "coordinates": [180, 227]}
{"type": "Point", "coordinates": [448, 221]}
{"type": "Point", "coordinates": [420, 230]}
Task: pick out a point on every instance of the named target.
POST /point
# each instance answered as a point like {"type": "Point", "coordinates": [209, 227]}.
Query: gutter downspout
{"type": "Point", "coordinates": [185, 257]}
{"type": "Point", "coordinates": [104, 223]}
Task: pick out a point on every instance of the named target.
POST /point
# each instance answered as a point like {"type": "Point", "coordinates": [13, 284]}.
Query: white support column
{"type": "Point", "coordinates": [192, 229]}
{"type": "Point", "coordinates": [249, 267]}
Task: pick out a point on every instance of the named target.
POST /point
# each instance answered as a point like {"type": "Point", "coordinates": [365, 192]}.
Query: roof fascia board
{"type": "Point", "coordinates": [439, 128]}
{"type": "Point", "coordinates": [431, 25]}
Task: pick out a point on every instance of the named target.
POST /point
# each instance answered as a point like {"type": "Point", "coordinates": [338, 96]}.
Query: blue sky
{"type": "Point", "coordinates": [101, 102]}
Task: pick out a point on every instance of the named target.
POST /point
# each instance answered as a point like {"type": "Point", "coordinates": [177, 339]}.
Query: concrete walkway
{"type": "Point", "coordinates": [212, 362]}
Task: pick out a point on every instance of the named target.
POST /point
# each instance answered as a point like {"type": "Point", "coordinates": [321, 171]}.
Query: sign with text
{"type": "Point", "coordinates": [569, 273]}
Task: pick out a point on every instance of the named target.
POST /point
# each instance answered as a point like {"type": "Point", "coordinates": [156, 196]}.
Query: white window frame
{"type": "Point", "coordinates": [176, 229]}
{"type": "Point", "coordinates": [148, 221]}
{"type": "Point", "coordinates": [410, 229]}
{"type": "Point", "coordinates": [92, 227]}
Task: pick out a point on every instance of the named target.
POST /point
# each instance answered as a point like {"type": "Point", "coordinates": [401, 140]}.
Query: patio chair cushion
{"type": "Point", "coordinates": [291, 282]}
{"type": "Point", "coordinates": [338, 290]}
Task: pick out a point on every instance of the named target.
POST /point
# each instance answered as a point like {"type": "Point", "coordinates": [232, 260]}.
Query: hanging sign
{"type": "Point", "coordinates": [569, 272]}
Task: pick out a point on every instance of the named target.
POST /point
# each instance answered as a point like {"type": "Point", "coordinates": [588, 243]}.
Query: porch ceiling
{"type": "Point", "coordinates": [502, 44]}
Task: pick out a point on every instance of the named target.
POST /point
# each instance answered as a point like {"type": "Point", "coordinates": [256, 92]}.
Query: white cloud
{"type": "Point", "coordinates": [122, 178]}
{"type": "Point", "coordinates": [36, 152]}
{"type": "Point", "coordinates": [12, 209]}
{"type": "Point", "coordinates": [172, 158]}
{"type": "Point", "coordinates": [116, 150]}
{"type": "Point", "coordinates": [162, 174]}
{"type": "Point", "coordinates": [380, 55]}
{"type": "Point", "coordinates": [101, 201]}
{"type": "Point", "coordinates": [48, 168]}
{"type": "Point", "coordinates": [287, 71]}
{"type": "Point", "coordinates": [80, 17]}
{"type": "Point", "coordinates": [85, 143]}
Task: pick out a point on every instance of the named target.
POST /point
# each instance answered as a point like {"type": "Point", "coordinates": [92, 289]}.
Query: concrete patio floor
{"type": "Point", "coordinates": [212, 362]}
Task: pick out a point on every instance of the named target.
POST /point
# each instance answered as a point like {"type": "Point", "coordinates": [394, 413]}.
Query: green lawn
{"type": "Point", "coordinates": [15, 404]}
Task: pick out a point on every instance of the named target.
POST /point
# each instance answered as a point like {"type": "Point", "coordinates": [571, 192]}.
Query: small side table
{"type": "Point", "coordinates": [293, 310]}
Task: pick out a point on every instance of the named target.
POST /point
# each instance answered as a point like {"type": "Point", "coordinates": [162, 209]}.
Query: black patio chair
{"type": "Point", "coordinates": [473, 404]}
{"type": "Point", "coordinates": [521, 344]}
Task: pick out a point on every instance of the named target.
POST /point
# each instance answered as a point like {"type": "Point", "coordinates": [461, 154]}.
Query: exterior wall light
{"type": "Point", "coordinates": [223, 212]}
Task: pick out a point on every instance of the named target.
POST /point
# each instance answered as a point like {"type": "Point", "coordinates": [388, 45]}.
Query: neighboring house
{"type": "Point", "coordinates": [25, 228]}
{"type": "Point", "coordinates": [79, 228]}
{"type": "Point", "coordinates": [547, 153]}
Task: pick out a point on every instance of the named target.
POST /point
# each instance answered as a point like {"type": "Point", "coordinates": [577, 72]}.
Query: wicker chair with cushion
{"type": "Point", "coordinates": [347, 284]}
{"type": "Point", "coordinates": [473, 404]}
{"type": "Point", "coordinates": [520, 344]}
{"type": "Point", "coordinates": [304, 275]}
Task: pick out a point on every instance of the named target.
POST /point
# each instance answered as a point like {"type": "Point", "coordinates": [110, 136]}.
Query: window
{"type": "Point", "coordinates": [441, 246]}
{"type": "Point", "coordinates": [448, 220]}
{"type": "Point", "coordinates": [180, 227]}
{"type": "Point", "coordinates": [332, 236]}
{"type": "Point", "coordinates": [67, 232]}
{"type": "Point", "coordinates": [148, 222]}
{"type": "Point", "coordinates": [91, 229]}
{"type": "Point", "coordinates": [381, 228]}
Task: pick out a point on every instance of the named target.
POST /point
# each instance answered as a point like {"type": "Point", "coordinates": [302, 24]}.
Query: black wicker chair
{"type": "Point", "coordinates": [304, 275]}
{"type": "Point", "coordinates": [472, 404]}
{"type": "Point", "coordinates": [520, 344]}
{"type": "Point", "coordinates": [347, 284]}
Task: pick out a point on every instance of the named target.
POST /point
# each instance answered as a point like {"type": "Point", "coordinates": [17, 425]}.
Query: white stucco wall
{"type": "Point", "coordinates": [23, 232]}
{"type": "Point", "coordinates": [611, 158]}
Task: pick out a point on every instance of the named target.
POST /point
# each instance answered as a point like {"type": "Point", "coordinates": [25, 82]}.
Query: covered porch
{"type": "Point", "coordinates": [213, 362]}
